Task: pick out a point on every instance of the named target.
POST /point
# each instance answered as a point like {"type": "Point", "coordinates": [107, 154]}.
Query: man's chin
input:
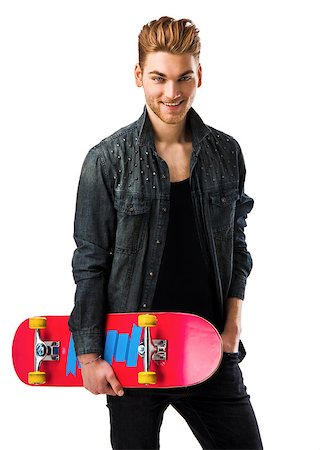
{"type": "Point", "coordinates": [171, 119]}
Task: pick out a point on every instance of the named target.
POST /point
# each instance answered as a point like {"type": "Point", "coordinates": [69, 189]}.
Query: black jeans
{"type": "Point", "coordinates": [218, 412]}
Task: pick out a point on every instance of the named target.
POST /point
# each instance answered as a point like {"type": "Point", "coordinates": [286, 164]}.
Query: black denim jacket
{"type": "Point", "coordinates": [122, 215]}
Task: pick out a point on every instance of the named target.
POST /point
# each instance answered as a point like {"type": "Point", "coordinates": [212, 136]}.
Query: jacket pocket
{"type": "Point", "coordinates": [223, 206]}
{"type": "Point", "coordinates": [132, 216]}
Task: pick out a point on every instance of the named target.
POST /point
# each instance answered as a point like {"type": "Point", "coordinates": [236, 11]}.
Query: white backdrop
{"type": "Point", "coordinates": [66, 83]}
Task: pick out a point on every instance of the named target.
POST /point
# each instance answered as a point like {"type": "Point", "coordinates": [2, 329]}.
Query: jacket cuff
{"type": "Point", "coordinates": [237, 288]}
{"type": "Point", "coordinates": [87, 342]}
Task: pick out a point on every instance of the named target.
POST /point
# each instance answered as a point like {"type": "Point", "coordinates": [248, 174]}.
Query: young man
{"type": "Point", "coordinates": [159, 226]}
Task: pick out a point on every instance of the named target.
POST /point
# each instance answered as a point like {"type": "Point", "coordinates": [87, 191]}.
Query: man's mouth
{"type": "Point", "coordinates": [172, 104]}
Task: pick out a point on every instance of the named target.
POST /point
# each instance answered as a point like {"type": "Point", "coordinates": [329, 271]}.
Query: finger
{"type": "Point", "coordinates": [114, 383]}
{"type": "Point", "coordinates": [109, 391]}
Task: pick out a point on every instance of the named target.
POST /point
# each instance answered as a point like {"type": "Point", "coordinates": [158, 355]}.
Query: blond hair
{"type": "Point", "coordinates": [168, 35]}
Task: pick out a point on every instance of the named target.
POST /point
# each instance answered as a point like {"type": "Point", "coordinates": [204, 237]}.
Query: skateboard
{"type": "Point", "coordinates": [154, 350]}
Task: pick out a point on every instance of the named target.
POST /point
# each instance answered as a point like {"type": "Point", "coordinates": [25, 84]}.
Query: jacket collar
{"type": "Point", "coordinates": [198, 128]}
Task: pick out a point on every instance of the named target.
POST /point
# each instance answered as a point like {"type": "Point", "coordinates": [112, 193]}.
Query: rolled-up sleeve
{"type": "Point", "coordinates": [242, 260]}
{"type": "Point", "coordinates": [94, 229]}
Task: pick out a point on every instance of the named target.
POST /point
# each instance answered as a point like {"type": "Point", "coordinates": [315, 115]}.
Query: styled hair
{"type": "Point", "coordinates": [168, 35]}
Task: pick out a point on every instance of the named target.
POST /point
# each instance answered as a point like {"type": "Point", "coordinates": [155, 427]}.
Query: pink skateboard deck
{"type": "Point", "coordinates": [154, 350]}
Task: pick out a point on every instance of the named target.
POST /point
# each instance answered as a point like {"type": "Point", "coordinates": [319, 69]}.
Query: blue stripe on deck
{"type": "Point", "coordinates": [123, 348]}
{"type": "Point", "coordinates": [120, 347]}
{"type": "Point", "coordinates": [132, 354]}
{"type": "Point", "coordinates": [110, 345]}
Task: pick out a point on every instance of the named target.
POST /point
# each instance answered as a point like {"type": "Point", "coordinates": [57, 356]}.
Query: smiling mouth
{"type": "Point", "coordinates": [172, 104]}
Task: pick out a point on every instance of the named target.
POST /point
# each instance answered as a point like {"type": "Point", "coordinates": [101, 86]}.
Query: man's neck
{"type": "Point", "coordinates": [169, 134]}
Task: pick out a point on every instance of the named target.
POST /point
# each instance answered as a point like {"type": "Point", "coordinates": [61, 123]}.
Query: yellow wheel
{"type": "Point", "coordinates": [37, 322]}
{"type": "Point", "coordinates": [37, 377]}
{"type": "Point", "coordinates": [147, 320]}
{"type": "Point", "coordinates": [147, 378]}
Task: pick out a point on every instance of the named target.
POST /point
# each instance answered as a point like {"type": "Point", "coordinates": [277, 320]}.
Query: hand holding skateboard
{"type": "Point", "coordinates": [99, 377]}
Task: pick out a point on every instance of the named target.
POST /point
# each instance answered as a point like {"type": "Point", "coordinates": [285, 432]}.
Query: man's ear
{"type": "Point", "coordinates": [199, 74]}
{"type": "Point", "coordinates": [138, 75]}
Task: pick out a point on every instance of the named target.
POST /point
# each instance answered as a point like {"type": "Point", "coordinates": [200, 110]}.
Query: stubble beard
{"type": "Point", "coordinates": [156, 108]}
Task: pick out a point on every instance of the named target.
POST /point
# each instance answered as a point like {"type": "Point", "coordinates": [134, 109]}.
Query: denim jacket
{"type": "Point", "coordinates": [121, 220]}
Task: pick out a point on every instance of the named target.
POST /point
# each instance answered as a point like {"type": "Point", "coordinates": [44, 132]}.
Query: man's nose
{"type": "Point", "coordinates": [172, 90]}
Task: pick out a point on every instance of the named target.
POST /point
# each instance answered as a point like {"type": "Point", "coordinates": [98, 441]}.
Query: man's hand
{"type": "Point", "coordinates": [232, 330]}
{"type": "Point", "coordinates": [98, 376]}
{"type": "Point", "coordinates": [230, 341]}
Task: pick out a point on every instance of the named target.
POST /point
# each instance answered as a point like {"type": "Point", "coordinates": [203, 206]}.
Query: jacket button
{"type": "Point", "coordinates": [164, 210]}
{"type": "Point", "coordinates": [223, 199]}
{"type": "Point", "coordinates": [144, 305]}
{"type": "Point", "coordinates": [151, 274]}
{"type": "Point", "coordinates": [158, 241]}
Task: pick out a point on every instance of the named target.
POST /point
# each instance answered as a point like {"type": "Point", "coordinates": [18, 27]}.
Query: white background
{"type": "Point", "coordinates": [66, 83]}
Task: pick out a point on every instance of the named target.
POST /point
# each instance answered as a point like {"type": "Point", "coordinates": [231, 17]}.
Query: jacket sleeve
{"type": "Point", "coordinates": [94, 229]}
{"type": "Point", "coordinates": [242, 261]}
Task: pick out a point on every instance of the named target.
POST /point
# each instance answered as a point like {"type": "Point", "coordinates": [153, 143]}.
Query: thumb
{"type": "Point", "coordinates": [114, 383]}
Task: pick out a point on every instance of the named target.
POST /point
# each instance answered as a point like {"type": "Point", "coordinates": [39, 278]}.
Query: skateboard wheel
{"type": "Point", "coordinates": [37, 377]}
{"type": "Point", "coordinates": [147, 378]}
{"type": "Point", "coordinates": [37, 323]}
{"type": "Point", "coordinates": [147, 320]}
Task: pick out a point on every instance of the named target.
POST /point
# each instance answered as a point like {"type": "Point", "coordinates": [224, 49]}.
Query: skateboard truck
{"type": "Point", "coordinates": [43, 350]}
{"type": "Point", "coordinates": [149, 349]}
{"type": "Point", "coordinates": [156, 349]}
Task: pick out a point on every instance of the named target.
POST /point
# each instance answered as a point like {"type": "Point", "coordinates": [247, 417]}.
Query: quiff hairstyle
{"type": "Point", "coordinates": [169, 35]}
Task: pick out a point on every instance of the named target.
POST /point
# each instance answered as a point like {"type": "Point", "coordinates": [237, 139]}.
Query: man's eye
{"type": "Point", "coordinates": [186, 78]}
{"type": "Point", "coordinates": [158, 79]}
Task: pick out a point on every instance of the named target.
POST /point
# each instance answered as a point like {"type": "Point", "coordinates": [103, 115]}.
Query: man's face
{"type": "Point", "coordinates": [169, 82]}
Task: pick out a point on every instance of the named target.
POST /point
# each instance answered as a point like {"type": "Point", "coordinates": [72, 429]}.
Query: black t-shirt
{"type": "Point", "coordinates": [184, 282]}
